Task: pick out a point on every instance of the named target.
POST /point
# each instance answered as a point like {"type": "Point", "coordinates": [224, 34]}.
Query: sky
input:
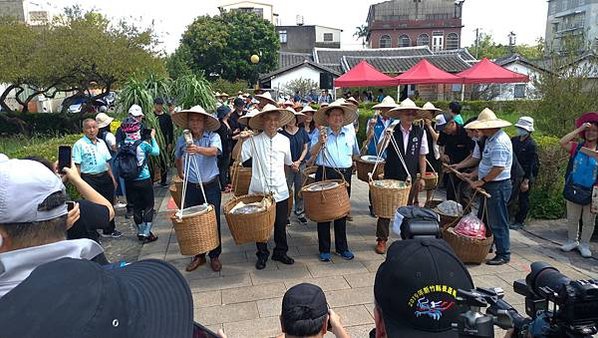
{"type": "Point", "coordinates": [526, 18]}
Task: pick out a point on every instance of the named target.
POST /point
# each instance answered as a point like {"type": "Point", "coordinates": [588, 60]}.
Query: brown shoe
{"type": "Point", "coordinates": [381, 247]}
{"type": "Point", "coordinates": [215, 264]}
{"type": "Point", "coordinates": [196, 262]}
{"type": "Point", "coordinates": [349, 218]}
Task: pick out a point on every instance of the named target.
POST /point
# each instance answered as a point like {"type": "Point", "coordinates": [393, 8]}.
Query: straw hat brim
{"type": "Point", "coordinates": [256, 122]}
{"type": "Point", "coordinates": [492, 124]}
{"type": "Point", "coordinates": [105, 123]}
{"type": "Point", "coordinates": [385, 106]}
{"type": "Point", "coordinates": [300, 117]}
{"type": "Point", "coordinates": [181, 120]}
{"type": "Point", "coordinates": [350, 114]}
{"type": "Point", "coordinates": [397, 112]}
{"type": "Point", "coordinates": [267, 99]}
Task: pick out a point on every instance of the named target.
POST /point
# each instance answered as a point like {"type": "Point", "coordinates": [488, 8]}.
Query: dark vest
{"type": "Point", "coordinates": [393, 169]}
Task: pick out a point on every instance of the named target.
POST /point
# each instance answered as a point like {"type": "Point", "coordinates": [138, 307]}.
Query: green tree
{"type": "Point", "coordinates": [77, 52]}
{"type": "Point", "coordinates": [361, 32]}
{"type": "Point", "coordinates": [301, 85]}
{"type": "Point", "coordinates": [488, 48]}
{"type": "Point", "coordinates": [222, 46]}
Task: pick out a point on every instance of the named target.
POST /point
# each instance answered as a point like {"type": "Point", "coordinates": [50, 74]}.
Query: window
{"type": "Point", "coordinates": [283, 36]}
{"type": "Point", "coordinates": [328, 37]}
{"type": "Point", "coordinates": [519, 91]}
{"type": "Point", "coordinates": [423, 40]}
{"type": "Point", "coordinates": [452, 41]}
{"type": "Point", "coordinates": [404, 41]}
{"type": "Point", "coordinates": [385, 41]}
{"type": "Point", "coordinates": [437, 41]}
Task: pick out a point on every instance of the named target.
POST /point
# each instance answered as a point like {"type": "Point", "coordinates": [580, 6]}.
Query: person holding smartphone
{"type": "Point", "coordinates": [305, 313]}
{"type": "Point", "coordinates": [92, 158]}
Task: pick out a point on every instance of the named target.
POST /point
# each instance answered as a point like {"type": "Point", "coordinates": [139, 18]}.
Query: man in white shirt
{"type": "Point", "coordinates": [269, 152]}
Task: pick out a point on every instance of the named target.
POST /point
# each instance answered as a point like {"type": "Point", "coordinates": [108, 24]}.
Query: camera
{"type": "Point", "coordinates": [416, 223]}
{"type": "Point", "coordinates": [556, 305]}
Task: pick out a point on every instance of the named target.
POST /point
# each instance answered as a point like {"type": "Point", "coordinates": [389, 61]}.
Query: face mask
{"type": "Point", "coordinates": [522, 132]}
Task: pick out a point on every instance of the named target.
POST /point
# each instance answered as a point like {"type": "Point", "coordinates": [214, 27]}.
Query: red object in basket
{"type": "Point", "coordinates": [471, 226]}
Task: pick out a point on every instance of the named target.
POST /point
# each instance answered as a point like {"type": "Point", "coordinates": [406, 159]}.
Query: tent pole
{"type": "Point", "coordinates": [463, 92]}
{"type": "Point", "coordinates": [398, 93]}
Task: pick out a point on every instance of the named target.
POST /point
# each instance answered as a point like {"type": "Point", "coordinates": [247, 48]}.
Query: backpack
{"type": "Point", "coordinates": [125, 162]}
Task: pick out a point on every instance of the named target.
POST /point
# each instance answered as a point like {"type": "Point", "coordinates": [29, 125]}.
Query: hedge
{"type": "Point", "coordinates": [45, 148]}
{"type": "Point", "coordinates": [43, 123]}
{"type": "Point", "coordinates": [546, 196]}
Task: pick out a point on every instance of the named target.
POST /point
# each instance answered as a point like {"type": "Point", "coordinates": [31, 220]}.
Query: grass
{"type": "Point", "coordinates": [42, 146]}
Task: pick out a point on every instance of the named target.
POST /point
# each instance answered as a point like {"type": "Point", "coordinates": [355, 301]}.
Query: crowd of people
{"type": "Point", "coordinates": [54, 276]}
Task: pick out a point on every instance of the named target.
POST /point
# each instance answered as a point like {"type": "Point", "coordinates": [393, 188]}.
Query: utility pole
{"type": "Point", "coordinates": [477, 42]}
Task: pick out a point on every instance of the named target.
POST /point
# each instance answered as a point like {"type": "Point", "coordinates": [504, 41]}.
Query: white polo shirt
{"type": "Point", "coordinates": [269, 156]}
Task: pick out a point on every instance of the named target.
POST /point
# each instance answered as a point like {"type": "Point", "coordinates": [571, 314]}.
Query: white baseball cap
{"type": "Point", "coordinates": [136, 111]}
{"type": "Point", "coordinates": [24, 186]}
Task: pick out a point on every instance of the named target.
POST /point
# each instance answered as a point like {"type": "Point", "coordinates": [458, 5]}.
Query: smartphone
{"type": "Point", "coordinates": [70, 205]}
{"type": "Point", "coordinates": [200, 331]}
{"type": "Point", "coordinates": [64, 158]}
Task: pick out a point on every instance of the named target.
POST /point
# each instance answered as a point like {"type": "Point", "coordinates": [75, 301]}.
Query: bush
{"type": "Point", "coordinates": [43, 123]}
{"type": "Point", "coordinates": [546, 198]}
{"type": "Point", "coordinates": [42, 147]}
{"type": "Point", "coordinates": [231, 88]}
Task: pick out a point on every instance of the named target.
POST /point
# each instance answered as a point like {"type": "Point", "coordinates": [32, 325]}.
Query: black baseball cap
{"type": "Point", "coordinates": [307, 297]}
{"type": "Point", "coordinates": [416, 287]}
{"type": "Point", "coordinates": [442, 120]}
{"type": "Point", "coordinates": [79, 298]}
{"type": "Point", "coordinates": [158, 100]}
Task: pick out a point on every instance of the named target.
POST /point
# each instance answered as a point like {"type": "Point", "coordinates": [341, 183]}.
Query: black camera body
{"type": "Point", "coordinates": [574, 311]}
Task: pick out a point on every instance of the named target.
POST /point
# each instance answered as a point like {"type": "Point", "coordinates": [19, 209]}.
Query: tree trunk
{"type": "Point", "coordinates": [3, 97]}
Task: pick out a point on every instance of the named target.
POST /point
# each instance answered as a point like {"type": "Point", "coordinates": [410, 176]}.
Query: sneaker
{"type": "Point", "coordinates": [114, 234]}
{"type": "Point", "coordinates": [120, 205]}
{"type": "Point", "coordinates": [584, 250]}
{"type": "Point", "coordinates": [325, 256]}
{"type": "Point", "coordinates": [302, 219]}
{"type": "Point", "coordinates": [349, 218]}
{"type": "Point", "coordinates": [372, 214]}
{"type": "Point", "coordinates": [347, 254]}
{"type": "Point", "coordinates": [569, 245]}
{"type": "Point", "coordinates": [497, 260]}
{"type": "Point", "coordinates": [381, 247]}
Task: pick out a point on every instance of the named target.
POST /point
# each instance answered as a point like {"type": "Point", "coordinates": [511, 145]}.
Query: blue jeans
{"type": "Point", "coordinates": [497, 215]}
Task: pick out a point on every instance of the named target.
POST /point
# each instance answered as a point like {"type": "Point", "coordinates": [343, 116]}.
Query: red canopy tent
{"type": "Point", "coordinates": [426, 73]}
{"type": "Point", "coordinates": [364, 75]}
{"type": "Point", "coordinates": [486, 71]}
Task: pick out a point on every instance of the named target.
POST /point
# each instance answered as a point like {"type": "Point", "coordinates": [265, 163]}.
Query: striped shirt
{"type": "Point", "coordinates": [498, 152]}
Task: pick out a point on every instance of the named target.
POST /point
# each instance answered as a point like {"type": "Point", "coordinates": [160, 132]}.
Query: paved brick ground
{"type": "Point", "coordinates": [246, 302]}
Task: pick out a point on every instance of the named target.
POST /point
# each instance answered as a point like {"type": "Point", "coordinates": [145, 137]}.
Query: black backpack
{"type": "Point", "coordinates": [125, 162]}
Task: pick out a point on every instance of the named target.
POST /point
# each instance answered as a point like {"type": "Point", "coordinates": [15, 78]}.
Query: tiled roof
{"type": "Point", "coordinates": [297, 65]}
{"type": "Point", "coordinates": [288, 59]}
{"type": "Point", "coordinates": [462, 52]}
{"type": "Point", "coordinates": [330, 56]}
{"type": "Point", "coordinates": [398, 65]}
{"type": "Point", "coordinates": [538, 64]}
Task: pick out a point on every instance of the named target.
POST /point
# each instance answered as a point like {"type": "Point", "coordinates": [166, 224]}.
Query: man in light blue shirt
{"type": "Point", "coordinates": [203, 151]}
{"type": "Point", "coordinates": [91, 156]}
{"type": "Point", "coordinates": [494, 174]}
{"type": "Point", "coordinates": [335, 149]}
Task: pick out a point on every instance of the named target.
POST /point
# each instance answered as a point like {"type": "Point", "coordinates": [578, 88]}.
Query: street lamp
{"type": "Point", "coordinates": [255, 59]}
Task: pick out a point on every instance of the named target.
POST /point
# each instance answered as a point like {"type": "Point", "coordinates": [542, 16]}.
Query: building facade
{"type": "Point", "coordinates": [13, 8]}
{"type": "Point", "coordinates": [572, 20]}
{"type": "Point", "coordinates": [262, 9]}
{"type": "Point", "coordinates": [406, 23]}
{"type": "Point", "coordinates": [303, 39]}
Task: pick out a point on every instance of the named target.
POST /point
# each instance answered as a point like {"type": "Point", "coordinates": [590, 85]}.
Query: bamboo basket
{"type": "Point", "coordinates": [386, 201]}
{"type": "Point", "coordinates": [236, 152]}
{"type": "Point", "coordinates": [307, 173]}
{"type": "Point", "coordinates": [447, 221]}
{"type": "Point", "coordinates": [326, 205]}
{"type": "Point", "coordinates": [196, 232]}
{"type": "Point", "coordinates": [365, 167]}
{"type": "Point", "coordinates": [241, 179]}
{"type": "Point", "coordinates": [430, 180]}
{"type": "Point", "coordinates": [176, 190]}
{"type": "Point", "coordinates": [469, 250]}
{"type": "Point", "coordinates": [247, 228]}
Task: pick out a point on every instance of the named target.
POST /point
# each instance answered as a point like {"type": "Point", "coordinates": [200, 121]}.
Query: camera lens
{"type": "Point", "coordinates": [544, 275]}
